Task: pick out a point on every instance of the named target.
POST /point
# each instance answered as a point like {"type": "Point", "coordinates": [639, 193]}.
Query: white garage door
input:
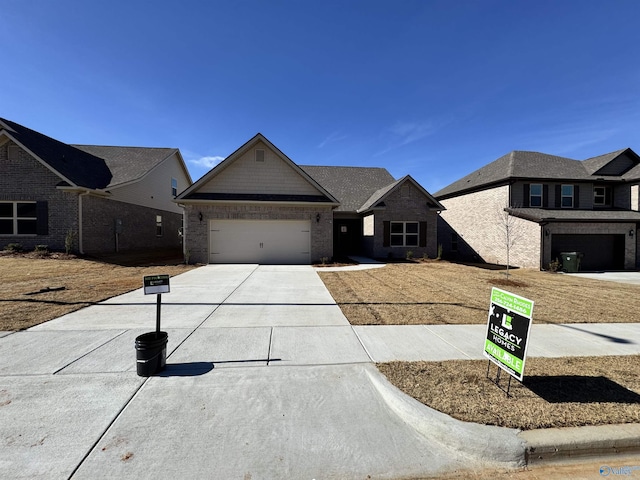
{"type": "Point", "coordinates": [260, 241]}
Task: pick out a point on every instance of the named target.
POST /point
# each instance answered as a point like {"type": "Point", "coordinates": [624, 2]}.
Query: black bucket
{"type": "Point", "coordinates": [151, 353]}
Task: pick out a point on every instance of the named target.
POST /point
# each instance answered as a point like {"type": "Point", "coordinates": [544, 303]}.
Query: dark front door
{"type": "Point", "coordinates": [347, 237]}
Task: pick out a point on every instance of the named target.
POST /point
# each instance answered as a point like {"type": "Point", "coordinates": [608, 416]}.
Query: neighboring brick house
{"type": "Point", "coordinates": [102, 199]}
{"type": "Point", "coordinates": [551, 205]}
{"type": "Point", "coordinates": [258, 206]}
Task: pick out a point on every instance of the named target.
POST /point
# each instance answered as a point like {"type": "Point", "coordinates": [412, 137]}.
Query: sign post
{"type": "Point", "coordinates": [508, 326]}
{"type": "Point", "coordinates": [157, 284]}
{"type": "Point", "coordinates": [151, 348]}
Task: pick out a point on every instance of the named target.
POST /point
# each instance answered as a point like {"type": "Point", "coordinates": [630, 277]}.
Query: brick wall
{"type": "Point", "coordinates": [479, 220]}
{"type": "Point", "coordinates": [138, 231]}
{"type": "Point", "coordinates": [197, 231]}
{"type": "Point", "coordinates": [26, 179]}
{"type": "Point", "coordinates": [406, 204]}
{"type": "Point", "coordinates": [23, 178]}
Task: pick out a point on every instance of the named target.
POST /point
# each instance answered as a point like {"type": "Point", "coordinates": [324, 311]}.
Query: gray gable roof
{"type": "Point", "coordinates": [78, 167]}
{"type": "Point", "coordinates": [351, 186]}
{"type": "Point", "coordinates": [192, 193]}
{"type": "Point", "coordinates": [381, 194]}
{"type": "Point", "coordinates": [128, 163]}
{"type": "Point", "coordinates": [532, 165]}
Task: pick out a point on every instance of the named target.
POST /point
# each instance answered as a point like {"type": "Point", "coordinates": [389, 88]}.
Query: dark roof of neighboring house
{"type": "Point", "coordinates": [351, 186]}
{"type": "Point", "coordinates": [535, 165]}
{"type": "Point", "coordinates": [80, 168]}
{"type": "Point", "coordinates": [573, 215]}
{"type": "Point", "coordinates": [128, 163]}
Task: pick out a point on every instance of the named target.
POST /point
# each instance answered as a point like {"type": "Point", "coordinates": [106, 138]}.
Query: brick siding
{"type": "Point", "coordinates": [197, 232]}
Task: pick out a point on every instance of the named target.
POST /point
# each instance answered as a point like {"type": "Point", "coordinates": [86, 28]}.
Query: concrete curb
{"type": "Point", "coordinates": [558, 444]}
{"type": "Point", "coordinates": [490, 445]}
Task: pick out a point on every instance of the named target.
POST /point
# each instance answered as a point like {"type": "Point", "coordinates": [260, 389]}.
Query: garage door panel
{"type": "Point", "coordinates": [260, 241]}
{"type": "Point", "coordinates": [600, 251]}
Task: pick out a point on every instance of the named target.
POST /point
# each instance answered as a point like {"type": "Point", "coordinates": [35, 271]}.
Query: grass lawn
{"type": "Point", "coordinates": [35, 290]}
{"type": "Point", "coordinates": [434, 293]}
{"type": "Point", "coordinates": [557, 392]}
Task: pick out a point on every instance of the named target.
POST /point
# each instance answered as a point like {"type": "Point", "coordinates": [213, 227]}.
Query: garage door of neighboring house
{"type": "Point", "coordinates": [260, 241]}
{"type": "Point", "coordinates": [601, 252]}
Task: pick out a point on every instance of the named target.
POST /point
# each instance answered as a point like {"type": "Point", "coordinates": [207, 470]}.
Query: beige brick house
{"type": "Point", "coordinates": [258, 206]}
{"type": "Point", "coordinates": [550, 205]}
{"type": "Point", "coordinates": [105, 199]}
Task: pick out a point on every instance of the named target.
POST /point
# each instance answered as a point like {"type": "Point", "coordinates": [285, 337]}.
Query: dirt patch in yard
{"type": "Point", "coordinates": [37, 289]}
{"type": "Point", "coordinates": [447, 293]}
{"type": "Point", "coordinates": [557, 392]}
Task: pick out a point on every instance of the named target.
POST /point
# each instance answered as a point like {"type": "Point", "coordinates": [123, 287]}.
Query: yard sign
{"type": "Point", "coordinates": [156, 284]}
{"type": "Point", "coordinates": [507, 331]}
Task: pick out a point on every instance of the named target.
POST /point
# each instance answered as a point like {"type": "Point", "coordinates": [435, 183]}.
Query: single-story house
{"type": "Point", "coordinates": [258, 206]}
{"type": "Point", "coordinates": [93, 199]}
{"type": "Point", "coordinates": [549, 205]}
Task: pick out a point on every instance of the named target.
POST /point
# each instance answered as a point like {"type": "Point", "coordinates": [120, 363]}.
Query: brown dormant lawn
{"type": "Point", "coordinates": [434, 293]}
{"type": "Point", "coordinates": [35, 290]}
{"type": "Point", "coordinates": [557, 392]}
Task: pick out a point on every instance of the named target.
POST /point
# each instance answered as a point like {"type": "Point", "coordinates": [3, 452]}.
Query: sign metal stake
{"type": "Point", "coordinates": [158, 304]}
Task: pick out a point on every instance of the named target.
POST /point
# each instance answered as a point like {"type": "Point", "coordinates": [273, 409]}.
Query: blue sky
{"type": "Point", "coordinates": [435, 89]}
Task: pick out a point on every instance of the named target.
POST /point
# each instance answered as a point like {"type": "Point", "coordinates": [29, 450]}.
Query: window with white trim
{"type": "Point", "coordinates": [404, 234]}
{"type": "Point", "coordinates": [566, 196]}
{"type": "Point", "coordinates": [158, 225]}
{"type": "Point", "coordinates": [535, 195]}
{"type": "Point", "coordinates": [602, 196]}
{"type": "Point", "coordinates": [174, 187]}
{"type": "Point", "coordinates": [18, 218]}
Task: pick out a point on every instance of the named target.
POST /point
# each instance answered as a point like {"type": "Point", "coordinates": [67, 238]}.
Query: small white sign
{"type": "Point", "coordinates": [156, 284]}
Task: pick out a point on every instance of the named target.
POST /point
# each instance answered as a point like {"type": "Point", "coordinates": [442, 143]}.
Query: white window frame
{"type": "Point", "coordinates": [404, 234]}
{"type": "Point", "coordinates": [563, 196]}
{"type": "Point", "coordinates": [537, 195]}
{"type": "Point", "coordinates": [174, 187]}
{"type": "Point", "coordinates": [159, 230]}
{"type": "Point", "coordinates": [603, 196]}
{"type": "Point", "coordinates": [15, 219]}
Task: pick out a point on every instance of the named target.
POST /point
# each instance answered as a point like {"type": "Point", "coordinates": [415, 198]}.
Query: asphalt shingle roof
{"type": "Point", "coordinates": [533, 165]}
{"type": "Point", "coordinates": [79, 167]}
{"type": "Point", "coordinates": [568, 215]}
{"type": "Point", "coordinates": [128, 163]}
{"type": "Point", "coordinates": [351, 186]}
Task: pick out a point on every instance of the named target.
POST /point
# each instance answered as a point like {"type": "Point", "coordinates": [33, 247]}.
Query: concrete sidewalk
{"type": "Point", "coordinates": [72, 406]}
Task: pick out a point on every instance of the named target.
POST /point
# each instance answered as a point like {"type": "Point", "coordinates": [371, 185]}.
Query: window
{"type": "Point", "coordinates": [174, 187]}
{"type": "Point", "coordinates": [404, 234]}
{"type": "Point", "coordinates": [602, 196]}
{"type": "Point", "coordinates": [158, 225]}
{"type": "Point", "coordinates": [535, 195]}
{"type": "Point", "coordinates": [454, 242]}
{"type": "Point", "coordinates": [18, 218]}
{"type": "Point", "coordinates": [566, 199]}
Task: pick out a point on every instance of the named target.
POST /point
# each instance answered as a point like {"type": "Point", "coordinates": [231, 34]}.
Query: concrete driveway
{"type": "Point", "coordinates": [265, 379]}
{"type": "Point", "coordinates": [632, 278]}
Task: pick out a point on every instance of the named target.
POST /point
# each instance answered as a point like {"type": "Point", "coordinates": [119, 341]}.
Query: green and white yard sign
{"type": "Point", "coordinates": [508, 328]}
